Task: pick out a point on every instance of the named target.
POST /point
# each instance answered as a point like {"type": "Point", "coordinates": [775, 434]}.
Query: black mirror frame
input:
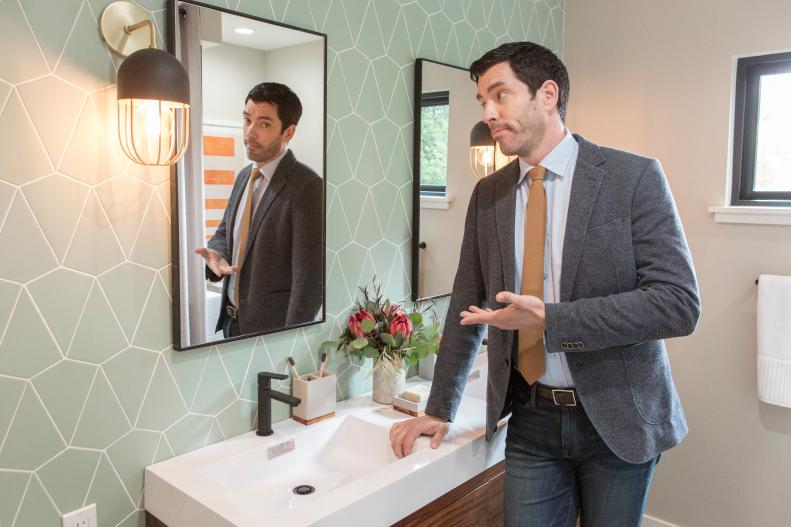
{"type": "Point", "coordinates": [417, 245]}
{"type": "Point", "coordinates": [171, 20]}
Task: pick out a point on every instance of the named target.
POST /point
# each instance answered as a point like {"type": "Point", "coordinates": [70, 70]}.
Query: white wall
{"type": "Point", "coordinates": [307, 81]}
{"type": "Point", "coordinates": [229, 72]}
{"type": "Point", "coordinates": [655, 78]}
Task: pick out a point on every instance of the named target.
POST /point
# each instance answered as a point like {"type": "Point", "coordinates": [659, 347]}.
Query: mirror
{"type": "Point", "coordinates": [445, 111]}
{"type": "Point", "coordinates": [248, 198]}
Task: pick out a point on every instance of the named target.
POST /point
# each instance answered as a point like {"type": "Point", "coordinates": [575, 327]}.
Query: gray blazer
{"type": "Point", "coordinates": [282, 276]}
{"type": "Point", "coordinates": [627, 281]}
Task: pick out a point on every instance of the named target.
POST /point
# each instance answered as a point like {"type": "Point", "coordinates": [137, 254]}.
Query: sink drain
{"type": "Point", "coordinates": [304, 490]}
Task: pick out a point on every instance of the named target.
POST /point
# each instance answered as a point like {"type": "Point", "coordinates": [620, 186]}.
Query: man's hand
{"type": "Point", "coordinates": [404, 434]}
{"type": "Point", "coordinates": [215, 262]}
{"type": "Point", "coordinates": [522, 312]}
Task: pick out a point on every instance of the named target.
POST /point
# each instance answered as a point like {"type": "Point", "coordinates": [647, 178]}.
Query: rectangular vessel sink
{"type": "Point", "coordinates": [344, 468]}
{"type": "Point", "coordinates": [324, 457]}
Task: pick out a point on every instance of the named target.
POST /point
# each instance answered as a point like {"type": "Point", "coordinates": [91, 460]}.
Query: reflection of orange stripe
{"type": "Point", "coordinates": [216, 203]}
{"type": "Point", "coordinates": [218, 177]}
{"type": "Point", "coordinates": [212, 223]}
{"type": "Point", "coordinates": [217, 146]}
{"type": "Point", "coordinates": [208, 237]}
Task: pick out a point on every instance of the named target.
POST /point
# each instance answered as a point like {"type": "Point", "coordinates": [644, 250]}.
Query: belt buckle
{"type": "Point", "coordinates": [232, 311]}
{"type": "Point", "coordinates": [555, 391]}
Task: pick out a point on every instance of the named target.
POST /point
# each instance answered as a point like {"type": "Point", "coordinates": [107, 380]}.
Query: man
{"type": "Point", "coordinates": [577, 255]}
{"type": "Point", "coordinates": [271, 231]}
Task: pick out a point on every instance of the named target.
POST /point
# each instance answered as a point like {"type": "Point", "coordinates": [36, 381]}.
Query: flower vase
{"type": "Point", "coordinates": [388, 382]}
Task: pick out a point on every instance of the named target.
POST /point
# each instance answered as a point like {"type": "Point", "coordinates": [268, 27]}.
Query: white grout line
{"type": "Point", "coordinates": [49, 415]}
{"type": "Point", "coordinates": [93, 478]}
{"type": "Point", "coordinates": [198, 387]}
{"type": "Point", "coordinates": [145, 393]}
{"type": "Point", "coordinates": [68, 38]}
{"type": "Point", "coordinates": [33, 34]}
{"type": "Point", "coordinates": [143, 218]}
{"type": "Point", "coordinates": [84, 404]}
{"type": "Point", "coordinates": [67, 250]}
{"type": "Point", "coordinates": [7, 323]}
{"type": "Point", "coordinates": [46, 492]}
{"type": "Point", "coordinates": [115, 317]}
{"type": "Point", "coordinates": [120, 479]}
{"type": "Point", "coordinates": [13, 416]}
{"type": "Point", "coordinates": [148, 299]}
{"type": "Point", "coordinates": [21, 500]}
{"type": "Point", "coordinates": [117, 399]}
{"type": "Point", "coordinates": [176, 384]}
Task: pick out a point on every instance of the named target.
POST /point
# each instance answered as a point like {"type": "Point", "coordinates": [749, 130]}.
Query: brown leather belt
{"type": "Point", "coordinates": [559, 396]}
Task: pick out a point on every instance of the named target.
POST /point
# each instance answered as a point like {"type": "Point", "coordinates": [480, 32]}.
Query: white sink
{"type": "Point", "coordinates": [325, 456]}
{"type": "Point", "coordinates": [347, 461]}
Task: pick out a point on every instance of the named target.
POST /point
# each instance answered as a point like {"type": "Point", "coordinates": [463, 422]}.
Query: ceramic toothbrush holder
{"type": "Point", "coordinates": [317, 395]}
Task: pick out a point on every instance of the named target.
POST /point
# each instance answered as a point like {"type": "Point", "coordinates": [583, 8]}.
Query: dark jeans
{"type": "Point", "coordinates": [557, 465]}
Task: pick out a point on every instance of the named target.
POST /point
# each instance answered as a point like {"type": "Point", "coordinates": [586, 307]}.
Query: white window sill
{"type": "Point", "coordinates": [435, 202]}
{"type": "Point", "coordinates": [754, 215]}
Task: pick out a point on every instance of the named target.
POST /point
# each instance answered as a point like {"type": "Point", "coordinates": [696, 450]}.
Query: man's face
{"type": "Point", "coordinates": [263, 138]}
{"type": "Point", "coordinates": [516, 120]}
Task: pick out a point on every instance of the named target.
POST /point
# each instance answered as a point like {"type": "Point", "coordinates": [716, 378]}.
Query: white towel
{"type": "Point", "coordinates": [774, 339]}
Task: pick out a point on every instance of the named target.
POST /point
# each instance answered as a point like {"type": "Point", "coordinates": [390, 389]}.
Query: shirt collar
{"type": "Point", "coordinates": [556, 161]}
{"type": "Point", "coordinates": [268, 169]}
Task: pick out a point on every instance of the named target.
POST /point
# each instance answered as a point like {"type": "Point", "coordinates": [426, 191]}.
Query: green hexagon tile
{"type": "Point", "coordinates": [101, 401]}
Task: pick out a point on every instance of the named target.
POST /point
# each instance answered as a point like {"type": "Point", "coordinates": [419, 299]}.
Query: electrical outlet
{"type": "Point", "coordinates": [85, 517]}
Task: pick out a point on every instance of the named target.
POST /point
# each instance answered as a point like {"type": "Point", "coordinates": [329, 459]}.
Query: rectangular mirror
{"type": "Point", "coordinates": [248, 198]}
{"type": "Point", "coordinates": [445, 111]}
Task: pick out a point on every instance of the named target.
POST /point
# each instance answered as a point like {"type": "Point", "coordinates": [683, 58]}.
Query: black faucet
{"type": "Point", "coordinates": [265, 396]}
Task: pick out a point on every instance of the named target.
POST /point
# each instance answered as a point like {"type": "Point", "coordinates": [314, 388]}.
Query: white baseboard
{"type": "Point", "coordinates": [650, 521]}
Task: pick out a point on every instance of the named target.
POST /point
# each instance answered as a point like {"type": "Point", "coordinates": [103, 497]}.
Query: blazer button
{"type": "Point", "coordinates": [564, 345]}
{"type": "Point", "coordinates": [581, 345]}
{"type": "Point", "coordinates": [242, 301]}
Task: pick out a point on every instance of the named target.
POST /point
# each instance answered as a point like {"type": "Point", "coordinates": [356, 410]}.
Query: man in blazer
{"type": "Point", "coordinates": [275, 275]}
{"type": "Point", "coordinates": [585, 436]}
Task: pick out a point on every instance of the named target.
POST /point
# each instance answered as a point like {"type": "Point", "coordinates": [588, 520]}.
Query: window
{"type": "Point", "coordinates": [762, 131]}
{"type": "Point", "coordinates": [433, 143]}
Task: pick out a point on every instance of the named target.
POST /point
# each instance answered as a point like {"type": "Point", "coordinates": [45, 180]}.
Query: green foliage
{"type": "Point", "coordinates": [434, 145]}
{"type": "Point", "coordinates": [374, 339]}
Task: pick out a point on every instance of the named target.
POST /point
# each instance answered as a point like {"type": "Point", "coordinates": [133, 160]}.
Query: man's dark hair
{"type": "Point", "coordinates": [532, 64]}
{"type": "Point", "coordinates": [289, 109]}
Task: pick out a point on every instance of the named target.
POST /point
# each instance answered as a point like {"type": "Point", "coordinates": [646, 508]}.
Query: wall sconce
{"type": "Point", "coordinates": [485, 154]}
{"type": "Point", "coordinates": [153, 88]}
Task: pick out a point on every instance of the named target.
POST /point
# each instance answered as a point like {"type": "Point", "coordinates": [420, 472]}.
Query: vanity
{"type": "Point", "coordinates": [337, 472]}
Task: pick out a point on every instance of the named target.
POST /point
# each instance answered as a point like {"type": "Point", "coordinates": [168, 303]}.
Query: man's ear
{"type": "Point", "coordinates": [549, 94]}
{"type": "Point", "coordinates": [288, 133]}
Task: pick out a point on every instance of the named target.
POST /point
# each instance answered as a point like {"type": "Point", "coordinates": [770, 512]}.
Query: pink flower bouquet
{"type": "Point", "coordinates": [382, 330]}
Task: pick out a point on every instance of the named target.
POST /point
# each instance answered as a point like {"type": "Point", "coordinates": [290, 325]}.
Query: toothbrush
{"type": "Point", "coordinates": [323, 363]}
{"type": "Point", "coordinates": [293, 367]}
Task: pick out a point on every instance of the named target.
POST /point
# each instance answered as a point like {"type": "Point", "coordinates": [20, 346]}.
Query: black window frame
{"type": "Point", "coordinates": [747, 104]}
{"type": "Point", "coordinates": [434, 98]}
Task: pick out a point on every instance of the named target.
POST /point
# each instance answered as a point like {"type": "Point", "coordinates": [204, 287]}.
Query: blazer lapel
{"type": "Point", "coordinates": [505, 196]}
{"type": "Point", "coordinates": [279, 179]}
{"type": "Point", "coordinates": [584, 190]}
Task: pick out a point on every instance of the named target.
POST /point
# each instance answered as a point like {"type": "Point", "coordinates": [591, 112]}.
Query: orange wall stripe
{"type": "Point", "coordinates": [218, 177]}
{"type": "Point", "coordinates": [216, 203]}
{"type": "Point", "coordinates": [217, 146]}
{"type": "Point", "coordinates": [212, 223]}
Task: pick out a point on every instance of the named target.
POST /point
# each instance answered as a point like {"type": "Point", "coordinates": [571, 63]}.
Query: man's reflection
{"type": "Point", "coordinates": [271, 231]}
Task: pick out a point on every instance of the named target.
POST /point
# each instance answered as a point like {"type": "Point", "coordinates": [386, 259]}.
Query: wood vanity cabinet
{"type": "Point", "coordinates": [477, 502]}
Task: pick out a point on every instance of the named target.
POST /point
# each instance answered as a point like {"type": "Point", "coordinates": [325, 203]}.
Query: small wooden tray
{"type": "Point", "coordinates": [408, 412]}
{"type": "Point", "coordinates": [314, 420]}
